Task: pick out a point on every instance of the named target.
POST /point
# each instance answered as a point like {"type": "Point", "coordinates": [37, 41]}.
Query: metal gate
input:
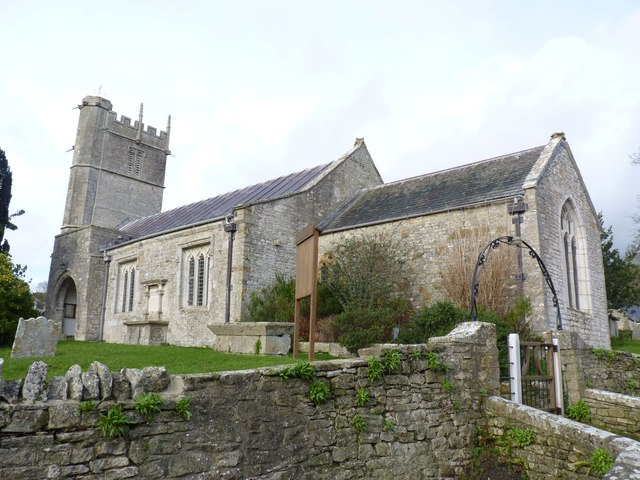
{"type": "Point", "coordinates": [535, 373]}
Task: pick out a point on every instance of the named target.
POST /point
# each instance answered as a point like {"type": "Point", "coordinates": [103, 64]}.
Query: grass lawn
{"type": "Point", "coordinates": [632, 346]}
{"type": "Point", "coordinates": [116, 356]}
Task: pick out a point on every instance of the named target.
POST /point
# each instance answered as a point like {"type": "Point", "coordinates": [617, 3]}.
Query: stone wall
{"type": "Point", "coordinates": [253, 424]}
{"type": "Point", "coordinates": [163, 260]}
{"type": "Point", "coordinates": [560, 447]}
{"type": "Point", "coordinates": [610, 370]}
{"type": "Point", "coordinates": [615, 412]}
{"type": "Point", "coordinates": [417, 422]}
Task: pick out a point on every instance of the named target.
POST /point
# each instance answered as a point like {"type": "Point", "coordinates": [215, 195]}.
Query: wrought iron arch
{"type": "Point", "coordinates": [519, 243]}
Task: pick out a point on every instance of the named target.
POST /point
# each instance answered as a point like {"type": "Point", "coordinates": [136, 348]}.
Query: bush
{"type": "Point", "coordinates": [434, 320]}
{"type": "Point", "coordinates": [360, 327]}
{"type": "Point", "coordinates": [276, 303]}
{"type": "Point", "coordinates": [365, 272]}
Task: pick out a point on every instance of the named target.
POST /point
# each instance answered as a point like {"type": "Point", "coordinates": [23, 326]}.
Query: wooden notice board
{"type": "Point", "coordinates": [306, 283]}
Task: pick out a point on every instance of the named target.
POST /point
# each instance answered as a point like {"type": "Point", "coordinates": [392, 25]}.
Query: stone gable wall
{"type": "Point", "coordinates": [268, 230]}
{"type": "Point", "coordinates": [562, 182]}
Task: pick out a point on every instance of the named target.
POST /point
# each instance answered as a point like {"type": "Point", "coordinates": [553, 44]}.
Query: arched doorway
{"type": "Point", "coordinates": [68, 299]}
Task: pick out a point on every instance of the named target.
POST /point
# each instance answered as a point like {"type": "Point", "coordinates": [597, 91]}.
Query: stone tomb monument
{"type": "Point", "coordinates": [36, 337]}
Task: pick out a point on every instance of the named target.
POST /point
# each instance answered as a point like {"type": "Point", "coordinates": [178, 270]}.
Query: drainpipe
{"type": "Point", "coordinates": [107, 262]}
{"type": "Point", "coordinates": [230, 227]}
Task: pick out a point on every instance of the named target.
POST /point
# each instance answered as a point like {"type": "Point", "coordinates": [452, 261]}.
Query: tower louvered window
{"type": "Point", "coordinates": [134, 165]}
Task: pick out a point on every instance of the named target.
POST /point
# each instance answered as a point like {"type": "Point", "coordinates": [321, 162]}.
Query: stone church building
{"type": "Point", "coordinates": [124, 271]}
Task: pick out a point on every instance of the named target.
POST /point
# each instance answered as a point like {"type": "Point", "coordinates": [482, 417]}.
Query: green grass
{"type": "Point", "coordinates": [632, 346]}
{"type": "Point", "coordinates": [177, 360]}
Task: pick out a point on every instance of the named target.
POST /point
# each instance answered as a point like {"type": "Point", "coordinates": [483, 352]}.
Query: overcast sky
{"type": "Point", "coordinates": [258, 89]}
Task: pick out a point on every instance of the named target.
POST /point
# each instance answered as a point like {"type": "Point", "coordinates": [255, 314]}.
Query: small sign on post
{"type": "Point", "coordinates": [306, 283]}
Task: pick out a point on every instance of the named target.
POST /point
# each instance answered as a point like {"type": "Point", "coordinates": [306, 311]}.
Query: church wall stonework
{"type": "Point", "coordinates": [263, 246]}
{"type": "Point", "coordinates": [429, 239]}
{"type": "Point", "coordinates": [562, 182]}
{"type": "Point", "coordinates": [162, 259]}
{"type": "Point", "coordinates": [270, 227]}
{"type": "Point", "coordinates": [427, 243]}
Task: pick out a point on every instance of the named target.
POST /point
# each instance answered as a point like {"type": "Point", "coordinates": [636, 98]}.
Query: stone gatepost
{"type": "Point", "coordinates": [472, 353]}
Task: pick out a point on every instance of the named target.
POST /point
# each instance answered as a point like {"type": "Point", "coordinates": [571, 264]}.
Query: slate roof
{"type": "Point", "coordinates": [219, 207]}
{"type": "Point", "coordinates": [475, 183]}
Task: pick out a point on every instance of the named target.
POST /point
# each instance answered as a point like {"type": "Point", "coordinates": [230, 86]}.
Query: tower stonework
{"type": "Point", "coordinates": [117, 175]}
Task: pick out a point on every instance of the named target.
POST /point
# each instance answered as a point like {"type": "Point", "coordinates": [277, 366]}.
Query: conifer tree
{"type": "Point", "coordinates": [5, 194]}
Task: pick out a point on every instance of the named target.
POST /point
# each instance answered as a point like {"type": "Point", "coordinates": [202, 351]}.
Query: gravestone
{"type": "Point", "coordinates": [36, 337]}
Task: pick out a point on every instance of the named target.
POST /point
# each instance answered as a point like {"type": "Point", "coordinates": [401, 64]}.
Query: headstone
{"type": "Point", "coordinates": [36, 337]}
{"type": "Point", "coordinates": [1, 367]}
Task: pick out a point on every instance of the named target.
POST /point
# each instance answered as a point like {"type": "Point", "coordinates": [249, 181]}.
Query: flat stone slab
{"type": "Point", "coordinates": [251, 328]}
{"type": "Point", "coordinates": [36, 337]}
{"type": "Point", "coordinates": [267, 338]}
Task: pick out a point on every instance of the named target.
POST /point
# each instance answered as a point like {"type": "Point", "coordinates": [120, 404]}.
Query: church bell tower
{"type": "Point", "coordinates": [117, 175]}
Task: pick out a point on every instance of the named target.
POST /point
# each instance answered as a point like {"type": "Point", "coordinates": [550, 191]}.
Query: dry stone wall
{"type": "Point", "coordinates": [614, 412]}
{"type": "Point", "coordinates": [253, 424]}
{"type": "Point", "coordinates": [561, 448]}
{"type": "Point", "coordinates": [416, 421]}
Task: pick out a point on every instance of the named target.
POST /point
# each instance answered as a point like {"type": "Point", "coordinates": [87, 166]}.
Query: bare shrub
{"type": "Point", "coordinates": [497, 277]}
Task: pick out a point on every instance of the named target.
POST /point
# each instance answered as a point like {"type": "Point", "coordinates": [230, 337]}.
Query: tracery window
{"type": "Point", "coordinates": [570, 253]}
{"type": "Point", "coordinates": [195, 278]}
{"type": "Point", "coordinates": [127, 287]}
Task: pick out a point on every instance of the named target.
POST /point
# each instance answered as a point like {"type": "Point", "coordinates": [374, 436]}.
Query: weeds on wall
{"type": "Point", "coordinates": [603, 354]}
{"type": "Point", "coordinates": [579, 412]}
{"type": "Point", "coordinates": [598, 464]}
{"type": "Point", "coordinates": [319, 392]}
{"type": "Point", "coordinates": [115, 423]}
{"type": "Point", "coordinates": [148, 404]}
{"type": "Point", "coordinates": [493, 457]}
{"type": "Point", "coordinates": [88, 406]}
{"type": "Point", "coordinates": [300, 369]}
{"type": "Point", "coordinates": [183, 407]}
{"type": "Point", "coordinates": [362, 397]}
{"type": "Point", "coordinates": [359, 424]}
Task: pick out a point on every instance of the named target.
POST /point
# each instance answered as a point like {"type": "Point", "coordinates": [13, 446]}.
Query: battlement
{"type": "Point", "coordinates": [125, 122]}
{"type": "Point", "coordinates": [124, 126]}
